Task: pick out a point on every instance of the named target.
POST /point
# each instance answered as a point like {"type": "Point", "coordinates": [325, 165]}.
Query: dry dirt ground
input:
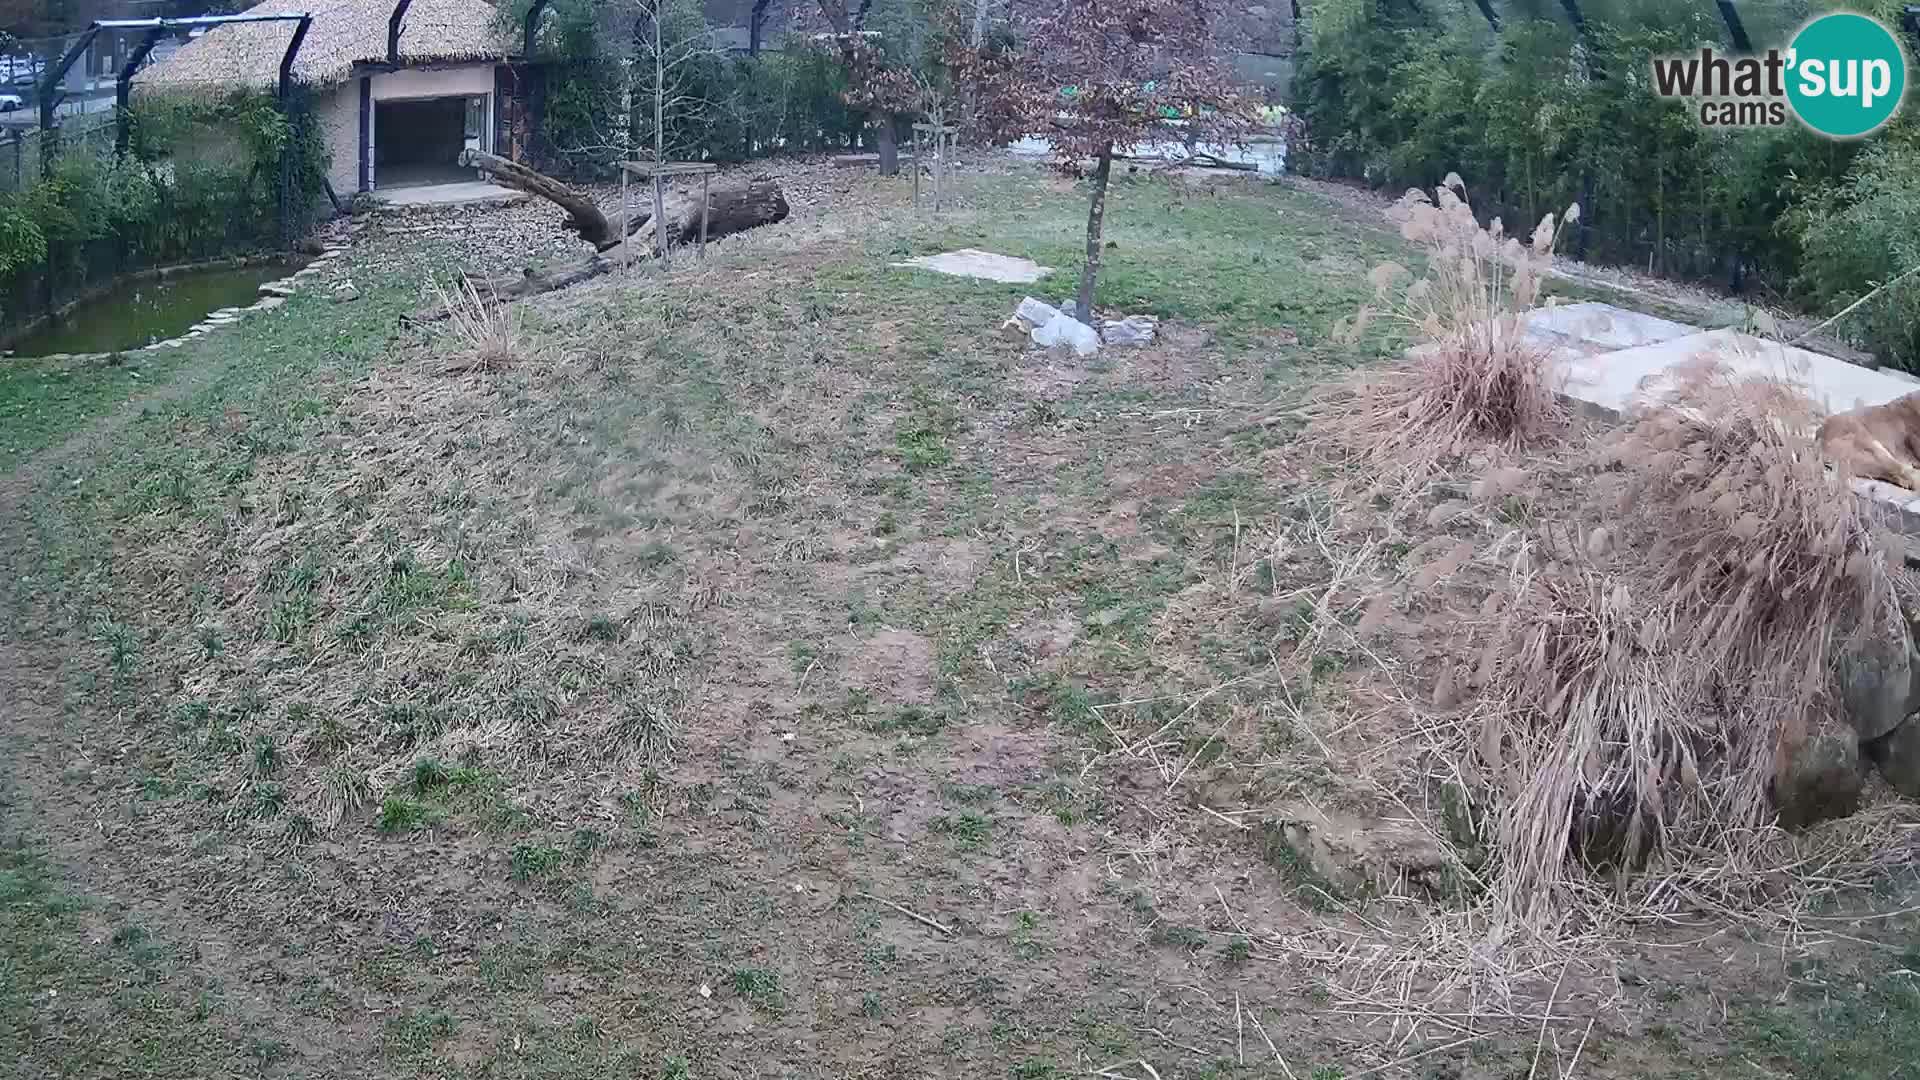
{"type": "Point", "coordinates": [775, 670]}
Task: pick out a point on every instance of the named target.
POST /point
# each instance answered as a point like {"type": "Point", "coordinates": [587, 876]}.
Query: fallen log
{"type": "Point", "coordinates": [732, 205]}
{"type": "Point", "coordinates": [584, 216]}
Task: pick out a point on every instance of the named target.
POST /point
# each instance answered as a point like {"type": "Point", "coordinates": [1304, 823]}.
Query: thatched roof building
{"type": "Point", "coordinates": [454, 83]}
{"type": "Point", "coordinates": [344, 35]}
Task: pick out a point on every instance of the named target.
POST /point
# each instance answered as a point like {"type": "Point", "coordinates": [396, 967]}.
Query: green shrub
{"type": "Point", "coordinates": [1861, 232]}
{"type": "Point", "coordinates": [201, 178]}
{"type": "Point", "coordinates": [1400, 94]}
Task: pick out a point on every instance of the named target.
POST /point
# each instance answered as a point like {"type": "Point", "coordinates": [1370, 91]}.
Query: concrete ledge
{"type": "Point", "coordinates": [1611, 358]}
{"type": "Point", "coordinates": [472, 194]}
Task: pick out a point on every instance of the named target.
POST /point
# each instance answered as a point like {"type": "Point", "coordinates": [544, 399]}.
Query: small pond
{"type": "Point", "coordinates": [148, 309]}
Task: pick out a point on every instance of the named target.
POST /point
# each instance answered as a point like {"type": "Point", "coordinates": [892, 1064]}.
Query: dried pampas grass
{"type": "Point", "coordinates": [488, 331]}
{"type": "Point", "coordinates": [1476, 378]}
{"type": "Point", "coordinates": [1642, 696]}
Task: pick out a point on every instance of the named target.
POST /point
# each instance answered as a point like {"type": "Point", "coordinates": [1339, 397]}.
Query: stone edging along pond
{"type": "Point", "coordinates": [272, 295]}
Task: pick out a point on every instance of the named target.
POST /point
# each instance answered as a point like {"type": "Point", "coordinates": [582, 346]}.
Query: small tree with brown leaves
{"type": "Point", "coordinates": [879, 47]}
{"type": "Point", "coordinates": [1100, 78]}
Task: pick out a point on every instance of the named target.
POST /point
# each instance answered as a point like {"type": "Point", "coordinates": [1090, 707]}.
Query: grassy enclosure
{"type": "Point", "coordinates": [775, 669]}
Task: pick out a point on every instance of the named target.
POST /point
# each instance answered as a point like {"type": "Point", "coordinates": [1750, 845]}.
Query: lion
{"type": "Point", "coordinates": [1878, 442]}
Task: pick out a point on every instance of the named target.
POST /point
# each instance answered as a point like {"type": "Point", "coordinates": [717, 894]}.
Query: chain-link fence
{"type": "Point", "coordinates": [22, 148]}
{"type": "Point", "coordinates": [180, 175]}
{"type": "Point", "coordinates": [18, 146]}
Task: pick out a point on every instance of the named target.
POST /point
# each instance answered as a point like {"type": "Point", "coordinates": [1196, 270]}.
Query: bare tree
{"type": "Point", "coordinates": [643, 91]}
{"type": "Point", "coordinates": [671, 41]}
{"type": "Point", "coordinates": [1101, 77]}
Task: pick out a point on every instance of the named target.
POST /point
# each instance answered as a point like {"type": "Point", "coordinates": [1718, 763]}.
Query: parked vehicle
{"type": "Point", "coordinates": [11, 102]}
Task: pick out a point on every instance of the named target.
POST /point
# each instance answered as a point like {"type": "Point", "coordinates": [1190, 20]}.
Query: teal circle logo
{"type": "Point", "coordinates": [1846, 75]}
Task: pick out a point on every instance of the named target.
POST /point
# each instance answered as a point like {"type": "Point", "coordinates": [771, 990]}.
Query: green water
{"type": "Point", "coordinates": [148, 310]}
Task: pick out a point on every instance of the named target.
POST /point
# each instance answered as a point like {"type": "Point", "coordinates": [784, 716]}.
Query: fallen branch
{"type": "Point", "coordinates": [584, 216]}
{"type": "Point", "coordinates": [1214, 161]}
{"type": "Point", "coordinates": [909, 913]}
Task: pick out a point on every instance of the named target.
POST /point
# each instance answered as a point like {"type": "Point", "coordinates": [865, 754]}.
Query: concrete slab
{"type": "Point", "coordinates": [1610, 381]}
{"type": "Point", "coordinates": [1595, 328]}
{"type": "Point", "coordinates": [985, 265]}
{"type": "Point", "coordinates": [462, 194]}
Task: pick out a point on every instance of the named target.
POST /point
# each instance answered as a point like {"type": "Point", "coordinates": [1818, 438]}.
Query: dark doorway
{"type": "Point", "coordinates": [419, 141]}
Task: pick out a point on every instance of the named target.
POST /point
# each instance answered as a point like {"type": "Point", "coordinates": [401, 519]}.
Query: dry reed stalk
{"type": "Point", "coordinates": [1477, 378]}
{"type": "Point", "coordinates": [1647, 703]}
{"type": "Point", "coordinates": [488, 331]}
{"type": "Point", "coordinates": [1638, 686]}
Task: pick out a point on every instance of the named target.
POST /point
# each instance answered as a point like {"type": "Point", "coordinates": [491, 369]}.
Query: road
{"type": "Point", "coordinates": [28, 115]}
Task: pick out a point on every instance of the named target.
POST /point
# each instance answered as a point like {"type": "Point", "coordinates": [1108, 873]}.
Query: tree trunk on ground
{"type": "Point", "coordinates": [733, 205]}
{"type": "Point", "coordinates": [584, 216]}
{"type": "Point", "coordinates": [1096, 218]}
{"type": "Point", "coordinates": [888, 146]}
{"type": "Point", "coordinates": [731, 208]}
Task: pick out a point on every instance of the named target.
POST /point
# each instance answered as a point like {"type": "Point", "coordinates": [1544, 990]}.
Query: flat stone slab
{"type": "Point", "coordinates": [1592, 328]}
{"type": "Point", "coordinates": [1610, 381]}
{"type": "Point", "coordinates": [463, 193]}
{"type": "Point", "coordinates": [985, 265]}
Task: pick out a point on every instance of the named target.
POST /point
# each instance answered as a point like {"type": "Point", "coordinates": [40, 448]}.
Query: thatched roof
{"type": "Point", "coordinates": [344, 33]}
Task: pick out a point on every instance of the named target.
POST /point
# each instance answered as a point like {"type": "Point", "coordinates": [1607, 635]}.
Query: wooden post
{"type": "Point", "coordinates": [659, 222]}
{"type": "Point", "coordinates": [942, 144]}
{"type": "Point", "coordinates": [658, 171]}
{"type": "Point", "coordinates": [626, 253]}
{"type": "Point", "coordinates": [704, 207]}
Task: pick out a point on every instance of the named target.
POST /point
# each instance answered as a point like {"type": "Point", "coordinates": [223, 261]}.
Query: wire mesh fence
{"type": "Point", "coordinates": [112, 178]}
{"type": "Point", "coordinates": [26, 151]}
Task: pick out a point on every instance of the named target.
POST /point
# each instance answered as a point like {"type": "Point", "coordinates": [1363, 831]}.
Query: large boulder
{"type": "Point", "coordinates": [1064, 329]}
{"type": "Point", "coordinates": [1878, 682]}
{"type": "Point", "coordinates": [1897, 757]}
{"type": "Point", "coordinates": [1878, 679]}
{"type": "Point", "coordinates": [1821, 779]}
{"type": "Point", "coordinates": [1132, 330]}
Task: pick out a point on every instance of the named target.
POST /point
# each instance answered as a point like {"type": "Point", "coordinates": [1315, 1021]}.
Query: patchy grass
{"type": "Point", "coordinates": [767, 652]}
{"type": "Point", "coordinates": [125, 1001]}
{"type": "Point", "coordinates": [1842, 1021]}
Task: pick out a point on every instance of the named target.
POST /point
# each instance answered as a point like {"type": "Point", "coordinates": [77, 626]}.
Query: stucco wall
{"type": "Point", "coordinates": [434, 82]}
{"type": "Point", "coordinates": [338, 111]}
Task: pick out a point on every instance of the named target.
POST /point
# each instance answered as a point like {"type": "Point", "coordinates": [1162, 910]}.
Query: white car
{"type": "Point", "coordinates": [10, 102]}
